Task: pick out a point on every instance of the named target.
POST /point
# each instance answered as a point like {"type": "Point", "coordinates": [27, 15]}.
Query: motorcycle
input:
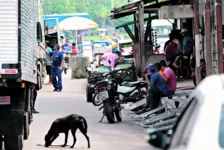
{"type": "Point", "coordinates": [94, 75]}
{"type": "Point", "coordinates": [111, 92]}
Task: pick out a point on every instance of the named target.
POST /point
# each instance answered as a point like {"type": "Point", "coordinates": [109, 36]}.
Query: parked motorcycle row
{"type": "Point", "coordinates": [108, 90]}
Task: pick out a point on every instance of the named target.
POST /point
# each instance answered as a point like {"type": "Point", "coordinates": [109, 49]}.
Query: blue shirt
{"type": "Point", "coordinates": [157, 81]}
{"type": "Point", "coordinates": [48, 57]}
{"type": "Point", "coordinates": [66, 47]}
{"type": "Point", "coordinates": [58, 57]}
{"type": "Point", "coordinates": [185, 44]}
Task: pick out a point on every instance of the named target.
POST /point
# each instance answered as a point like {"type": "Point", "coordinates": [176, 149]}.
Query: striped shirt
{"type": "Point", "coordinates": [171, 48]}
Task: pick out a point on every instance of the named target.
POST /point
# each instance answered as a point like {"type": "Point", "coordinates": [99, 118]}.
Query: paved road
{"type": "Point", "coordinates": [103, 136]}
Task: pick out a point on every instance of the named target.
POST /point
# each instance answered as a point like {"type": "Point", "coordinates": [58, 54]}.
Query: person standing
{"type": "Point", "coordinates": [57, 67]}
{"type": "Point", "coordinates": [48, 62]}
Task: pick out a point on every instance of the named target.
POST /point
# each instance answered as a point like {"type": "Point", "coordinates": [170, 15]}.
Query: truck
{"type": "Point", "coordinates": [21, 68]}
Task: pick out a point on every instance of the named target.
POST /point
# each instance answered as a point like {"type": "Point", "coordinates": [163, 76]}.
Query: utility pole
{"type": "Point", "coordinates": [207, 18]}
{"type": "Point", "coordinates": [219, 45]}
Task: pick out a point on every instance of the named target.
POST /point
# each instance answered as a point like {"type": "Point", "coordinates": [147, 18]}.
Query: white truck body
{"type": "Point", "coordinates": [18, 42]}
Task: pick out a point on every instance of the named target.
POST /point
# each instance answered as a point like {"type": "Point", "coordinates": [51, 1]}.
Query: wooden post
{"type": "Point", "coordinates": [197, 42]}
{"type": "Point", "coordinates": [141, 36]}
{"type": "Point", "coordinates": [207, 17]}
{"type": "Point", "coordinates": [219, 45]}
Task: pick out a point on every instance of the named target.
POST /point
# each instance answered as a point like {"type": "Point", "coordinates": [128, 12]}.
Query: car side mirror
{"type": "Point", "coordinates": [158, 140]}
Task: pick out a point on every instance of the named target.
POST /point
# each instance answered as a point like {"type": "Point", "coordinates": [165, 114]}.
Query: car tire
{"type": "Point", "coordinates": [13, 142]}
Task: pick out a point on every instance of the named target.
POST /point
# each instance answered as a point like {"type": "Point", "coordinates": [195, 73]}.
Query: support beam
{"type": "Point", "coordinates": [141, 36]}
{"type": "Point", "coordinates": [130, 34]}
{"type": "Point", "coordinates": [207, 17]}
{"type": "Point", "coordinates": [197, 42]}
{"type": "Point", "coordinates": [219, 45]}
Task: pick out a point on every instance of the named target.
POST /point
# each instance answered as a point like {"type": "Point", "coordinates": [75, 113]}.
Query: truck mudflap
{"type": "Point", "coordinates": [12, 107]}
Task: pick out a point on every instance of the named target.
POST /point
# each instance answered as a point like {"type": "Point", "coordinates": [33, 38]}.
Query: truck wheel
{"type": "Point", "coordinates": [89, 94]}
{"type": "Point", "coordinates": [1, 142]}
{"type": "Point", "coordinates": [26, 126]}
{"type": "Point", "coordinates": [14, 142]}
{"type": "Point", "coordinates": [109, 113]}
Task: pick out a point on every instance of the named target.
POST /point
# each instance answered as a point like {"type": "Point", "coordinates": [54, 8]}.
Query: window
{"type": "Point", "coordinates": [221, 128]}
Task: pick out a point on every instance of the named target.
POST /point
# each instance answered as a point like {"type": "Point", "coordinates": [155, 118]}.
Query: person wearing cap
{"type": "Point", "coordinates": [171, 77]}
{"type": "Point", "coordinates": [187, 43]}
{"type": "Point", "coordinates": [157, 88]}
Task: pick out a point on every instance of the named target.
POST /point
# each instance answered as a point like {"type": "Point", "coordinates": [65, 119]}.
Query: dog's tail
{"type": "Point", "coordinates": [84, 123]}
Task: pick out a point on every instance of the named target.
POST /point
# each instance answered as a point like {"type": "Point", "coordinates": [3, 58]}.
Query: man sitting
{"type": "Point", "coordinates": [171, 76]}
{"type": "Point", "coordinates": [157, 88]}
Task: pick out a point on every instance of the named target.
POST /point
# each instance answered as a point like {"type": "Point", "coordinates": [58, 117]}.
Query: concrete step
{"type": "Point", "coordinates": [147, 114]}
{"type": "Point", "coordinates": [168, 122]}
{"type": "Point", "coordinates": [154, 119]}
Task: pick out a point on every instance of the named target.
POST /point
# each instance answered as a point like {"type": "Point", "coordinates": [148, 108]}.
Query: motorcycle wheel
{"type": "Point", "coordinates": [108, 111]}
{"type": "Point", "coordinates": [89, 94]}
{"type": "Point", "coordinates": [95, 103]}
{"type": "Point", "coordinates": [118, 114]}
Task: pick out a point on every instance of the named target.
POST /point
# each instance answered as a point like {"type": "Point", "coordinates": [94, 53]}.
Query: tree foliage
{"type": "Point", "coordinates": [99, 10]}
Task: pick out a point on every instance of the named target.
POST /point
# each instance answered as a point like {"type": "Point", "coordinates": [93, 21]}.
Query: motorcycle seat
{"type": "Point", "coordinates": [133, 84]}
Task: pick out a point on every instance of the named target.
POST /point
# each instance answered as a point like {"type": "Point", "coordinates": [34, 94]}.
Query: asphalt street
{"type": "Point", "coordinates": [103, 136]}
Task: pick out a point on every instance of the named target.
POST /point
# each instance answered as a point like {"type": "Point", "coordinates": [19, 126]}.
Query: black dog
{"type": "Point", "coordinates": [63, 125]}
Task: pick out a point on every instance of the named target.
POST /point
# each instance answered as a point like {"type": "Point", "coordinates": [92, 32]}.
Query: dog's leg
{"type": "Point", "coordinates": [85, 134]}
{"type": "Point", "coordinates": [66, 139]}
{"type": "Point", "coordinates": [74, 137]}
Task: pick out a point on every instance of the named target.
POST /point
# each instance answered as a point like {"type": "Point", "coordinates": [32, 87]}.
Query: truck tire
{"type": "Point", "coordinates": [89, 94]}
{"type": "Point", "coordinates": [1, 142]}
{"type": "Point", "coordinates": [26, 126]}
{"type": "Point", "coordinates": [14, 142]}
{"type": "Point", "coordinates": [39, 82]}
{"type": "Point", "coordinates": [108, 111]}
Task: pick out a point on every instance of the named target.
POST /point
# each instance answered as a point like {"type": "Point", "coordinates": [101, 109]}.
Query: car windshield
{"type": "Point", "coordinates": [221, 129]}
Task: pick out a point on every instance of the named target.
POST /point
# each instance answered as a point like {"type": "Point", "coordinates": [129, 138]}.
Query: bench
{"type": "Point", "coordinates": [177, 101]}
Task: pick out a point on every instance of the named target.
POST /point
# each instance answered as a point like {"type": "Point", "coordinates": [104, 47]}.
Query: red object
{"type": "Point", "coordinates": [156, 51]}
{"type": "Point", "coordinates": [74, 49]}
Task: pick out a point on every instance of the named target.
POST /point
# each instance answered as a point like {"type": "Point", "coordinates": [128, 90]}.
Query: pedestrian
{"type": "Point", "coordinates": [67, 48]}
{"type": "Point", "coordinates": [161, 72]}
{"type": "Point", "coordinates": [48, 62]}
{"type": "Point", "coordinates": [74, 49]}
{"type": "Point", "coordinates": [110, 60]}
{"type": "Point", "coordinates": [57, 67]}
{"type": "Point", "coordinates": [171, 77]}
{"type": "Point", "coordinates": [34, 100]}
{"type": "Point", "coordinates": [157, 87]}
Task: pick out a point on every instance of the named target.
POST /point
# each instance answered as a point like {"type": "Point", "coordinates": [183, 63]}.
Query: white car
{"type": "Point", "coordinates": [201, 125]}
